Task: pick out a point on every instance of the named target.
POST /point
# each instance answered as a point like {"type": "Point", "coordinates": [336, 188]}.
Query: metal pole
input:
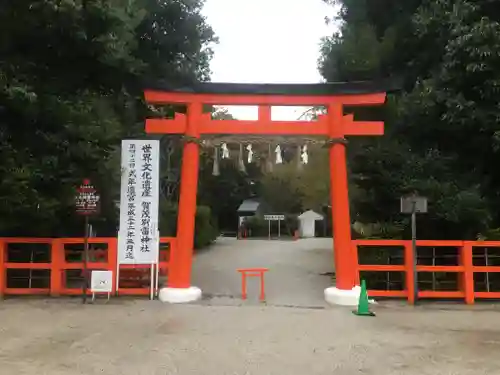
{"type": "Point", "coordinates": [85, 259]}
{"type": "Point", "coordinates": [157, 280]}
{"type": "Point", "coordinates": [279, 228]}
{"type": "Point", "coordinates": [152, 282]}
{"type": "Point", "coordinates": [269, 221]}
{"type": "Point", "coordinates": [117, 278]}
{"type": "Point", "coordinates": [157, 273]}
{"type": "Point", "coordinates": [414, 249]}
{"type": "Point", "coordinates": [487, 263]}
{"type": "Point", "coordinates": [31, 270]}
{"type": "Point", "coordinates": [433, 273]}
{"type": "Point", "coordinates": [388, 283]}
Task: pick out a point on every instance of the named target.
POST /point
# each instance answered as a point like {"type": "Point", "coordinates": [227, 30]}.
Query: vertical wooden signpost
{"type": "Point", "coordinates": [412, 205]}
{"type": "Point", "coordinates": [87, 203]}
{"type": "Point", "coordinates": [277, 218]}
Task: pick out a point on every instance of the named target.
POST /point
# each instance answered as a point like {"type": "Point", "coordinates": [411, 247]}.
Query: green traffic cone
{"type": "Point", "coordinates": [363, 304]}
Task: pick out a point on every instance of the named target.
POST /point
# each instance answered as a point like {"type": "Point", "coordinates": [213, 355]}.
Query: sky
{"type": "Point", "coordinates": [267, 41]}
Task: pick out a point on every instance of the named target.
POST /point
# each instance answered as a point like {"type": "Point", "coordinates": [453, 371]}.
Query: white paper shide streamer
{"type": "Point", "coordinates": [279, 157]}
{"type": "Point", "coordinates": [250, 154]}
{"type": "Point", "coordinates": [225, 151]}
{"type": "Point", "coordinates": [304, 156]}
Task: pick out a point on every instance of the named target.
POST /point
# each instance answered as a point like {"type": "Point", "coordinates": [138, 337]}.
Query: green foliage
{"type": "Point", "coordinates": [206, 229]}
{"type": "Point", "coordinates": [492, 234]}
{"type": "Point", "coordinates": [442, 129]}
{"type": "Point", "coordinates": [379, 230]}
{"type": "Point", "coordinates": [291, 224]}
{"type": "Point", "coordinates": [224, 193]}
{"type": "Point", "coordinates": [70, 89]}
{"type": "Point", "coordinates": [290, 189]}
{"type": "Point", "coordinates": [167, 218]}
{"type": "Point", "coordinates": [357, 53]}
{"type": "Point", "coordinates": [280, 191]}
{"type": "Point", "coordinates": [257, 226]}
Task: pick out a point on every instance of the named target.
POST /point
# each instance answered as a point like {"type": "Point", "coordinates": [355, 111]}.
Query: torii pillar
{"type": "Point", "coordinates": [345, 291]}
{"type": "Point", "coordinates": [333, 126]}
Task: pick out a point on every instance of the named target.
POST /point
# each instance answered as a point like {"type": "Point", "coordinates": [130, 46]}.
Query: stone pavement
{"type": "Point", "coordinates": [299, 271]}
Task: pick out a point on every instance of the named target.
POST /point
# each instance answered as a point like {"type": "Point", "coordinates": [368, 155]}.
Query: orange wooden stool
{"type": "Point", "coordinates": [252, 272]}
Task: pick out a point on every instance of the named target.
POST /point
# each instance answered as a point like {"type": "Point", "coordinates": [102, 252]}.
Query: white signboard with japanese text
{"type": "Point", "coordinates": [274, 217]}
{"type": "Point", "coordinates": [138, 238]}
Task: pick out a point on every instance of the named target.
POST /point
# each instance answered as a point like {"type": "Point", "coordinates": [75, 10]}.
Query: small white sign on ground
{"type": "Point", "coordinates": [101, 282]}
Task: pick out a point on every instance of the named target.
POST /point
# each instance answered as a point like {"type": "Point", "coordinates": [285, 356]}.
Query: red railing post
{"type": "Point", "coordinates": [355, 260]}
{"type": "Point", "coordinates": [468, 273]}
{"type": "Point", "coordinates": [409, 276]}
{"type": "Point", "coordinates": [3, 273]}
{"type": "Point", "coordinates": [112, 259]}
{"type": "Point", "coordinates": [243, 285]}
{"type": "Point", "coordinates": [56, 267]}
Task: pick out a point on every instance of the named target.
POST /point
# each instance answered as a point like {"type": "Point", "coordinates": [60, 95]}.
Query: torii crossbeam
{"type": "Point", "coordinates": [334, 126]}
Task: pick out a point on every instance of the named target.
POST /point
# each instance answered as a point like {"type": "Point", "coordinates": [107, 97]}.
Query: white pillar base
{"type": "Point", "coordinates": [342, 297]}
{"type": "Point", "coordinates": [179, 295]}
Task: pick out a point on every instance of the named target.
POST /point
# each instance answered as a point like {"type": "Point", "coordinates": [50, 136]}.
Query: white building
{"type": "Point", "coordinates": [307, 224]}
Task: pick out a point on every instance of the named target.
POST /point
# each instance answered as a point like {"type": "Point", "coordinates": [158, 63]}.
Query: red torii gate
{"type": "Point", "coordinates": [333, 126]}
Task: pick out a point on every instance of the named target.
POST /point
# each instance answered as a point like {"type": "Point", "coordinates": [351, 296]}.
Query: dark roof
{"type": "Point", "coordinates": [317, 89]}
{"type": "Point", "coordinates": [249, 205]}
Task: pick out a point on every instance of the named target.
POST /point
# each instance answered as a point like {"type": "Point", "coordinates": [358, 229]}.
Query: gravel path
{"type": "Point", "coordinates": [59, 337]}
{"type": "Point", "coordinates": [298, 271]}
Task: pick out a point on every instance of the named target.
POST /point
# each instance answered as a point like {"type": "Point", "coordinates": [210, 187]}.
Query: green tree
{"type": "Point", "coordinates": [279, 189]}
{"type": "Point", "coordinates": [71, 78]}
{"type": "Point", "coordinates": [440, 129]}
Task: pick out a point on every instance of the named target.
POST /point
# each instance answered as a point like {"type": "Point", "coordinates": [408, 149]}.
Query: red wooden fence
{"type": "Point", "coordinates": [465, 269]}
{"type": "Point", "coordinates": [59, 261]}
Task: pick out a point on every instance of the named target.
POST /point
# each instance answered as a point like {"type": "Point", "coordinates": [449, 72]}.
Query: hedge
{"type": "Point", "coordinates": [206, 230]}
